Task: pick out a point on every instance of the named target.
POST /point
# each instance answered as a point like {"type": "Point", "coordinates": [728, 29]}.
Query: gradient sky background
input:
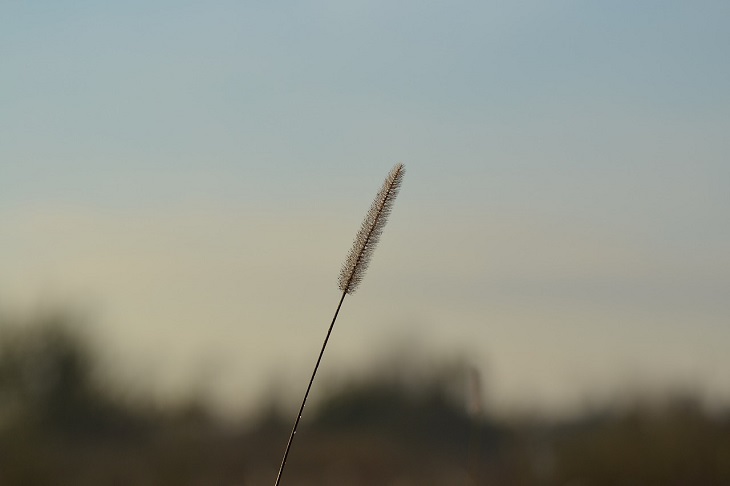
{"type": "Point", "coordinates": [190, 176]}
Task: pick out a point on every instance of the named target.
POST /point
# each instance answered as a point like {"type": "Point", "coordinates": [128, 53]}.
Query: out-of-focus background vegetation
{"type": "Point", "coordinates": [63, 422]}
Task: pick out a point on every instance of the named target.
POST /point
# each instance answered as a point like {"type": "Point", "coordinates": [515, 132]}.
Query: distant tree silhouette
{"type": "Point", "coordinates": [47, 380]}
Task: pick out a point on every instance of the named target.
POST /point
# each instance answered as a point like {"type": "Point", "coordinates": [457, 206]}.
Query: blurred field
{"type": "Point", "coordinates": [60, 424]}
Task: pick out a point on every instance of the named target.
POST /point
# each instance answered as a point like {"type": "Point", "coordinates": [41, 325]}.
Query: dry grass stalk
{"type": "Point", "coordinates": [353, 270]}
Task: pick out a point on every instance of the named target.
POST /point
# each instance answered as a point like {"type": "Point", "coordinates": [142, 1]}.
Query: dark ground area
{"type": "Point", "coordinates": [60, 426]}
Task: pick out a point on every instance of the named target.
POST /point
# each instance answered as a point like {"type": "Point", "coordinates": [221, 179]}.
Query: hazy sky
{"type": "Point", "coordinates": [190, 174]}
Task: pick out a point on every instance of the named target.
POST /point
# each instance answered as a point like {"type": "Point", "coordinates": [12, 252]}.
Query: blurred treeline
{"type": "Point", "coordinates": [63, 423]}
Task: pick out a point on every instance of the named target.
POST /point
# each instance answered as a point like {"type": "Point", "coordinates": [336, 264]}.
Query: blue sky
{"type": "Point", "coordinates": [567, 182]}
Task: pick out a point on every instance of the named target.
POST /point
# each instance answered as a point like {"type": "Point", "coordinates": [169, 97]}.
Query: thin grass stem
{"type": "Point", "coordinates": [306, 394]}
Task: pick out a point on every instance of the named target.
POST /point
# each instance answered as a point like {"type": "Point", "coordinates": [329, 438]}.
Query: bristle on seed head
{"type": "Point", "coordinates": [353, 270]}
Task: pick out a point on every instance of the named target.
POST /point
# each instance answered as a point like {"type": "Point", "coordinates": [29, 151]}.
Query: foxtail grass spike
{"type": "Point", "coordinates": [353, 271]}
